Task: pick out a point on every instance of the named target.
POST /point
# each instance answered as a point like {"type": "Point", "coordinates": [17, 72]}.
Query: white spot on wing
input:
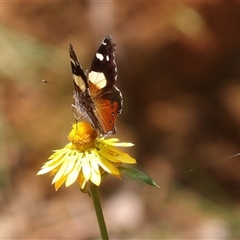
{"type": "Point", "coordinates": [97, 79]}
{"type": "Point", "coordinates": [79, 82]}
{"type": "Point", "coordinates": [107, 57]}
{"type": "Point", "coordinates": [77, 79]}
{"type": "Point", "coordinates": [99, 56]}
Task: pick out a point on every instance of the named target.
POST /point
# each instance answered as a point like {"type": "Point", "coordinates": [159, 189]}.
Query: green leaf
{"type": "Point", "coordinates": [138, 175]}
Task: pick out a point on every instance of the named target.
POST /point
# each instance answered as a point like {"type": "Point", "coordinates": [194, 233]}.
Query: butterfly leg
{"type": "Point", "coordinates": [76, 113]}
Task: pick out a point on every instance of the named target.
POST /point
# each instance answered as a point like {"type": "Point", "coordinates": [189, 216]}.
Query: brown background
{"type": "Point", "coordinates": [179, 73]}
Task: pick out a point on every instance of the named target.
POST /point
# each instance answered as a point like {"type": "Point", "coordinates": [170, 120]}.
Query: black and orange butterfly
{"type": "Point", "coordinates": [96, 98]}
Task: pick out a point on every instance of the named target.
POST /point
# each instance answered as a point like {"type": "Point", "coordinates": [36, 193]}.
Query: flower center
{"type": "Point", "coordinates": [82, 136]}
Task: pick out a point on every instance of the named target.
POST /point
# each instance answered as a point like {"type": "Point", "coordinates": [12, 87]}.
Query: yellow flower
{"type": "Point", "coordinates": [86, 158]}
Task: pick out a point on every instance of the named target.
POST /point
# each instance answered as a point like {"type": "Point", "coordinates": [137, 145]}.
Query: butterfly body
{"type": "Point", "coordinates": [96, 98]}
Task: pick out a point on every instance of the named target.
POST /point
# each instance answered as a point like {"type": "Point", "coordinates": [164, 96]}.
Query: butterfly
{"type": "Point", "coordinates": [96, 98]}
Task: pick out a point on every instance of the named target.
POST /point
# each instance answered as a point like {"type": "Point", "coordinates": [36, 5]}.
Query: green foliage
{"type": "Point", "coordinates": [138, 175]}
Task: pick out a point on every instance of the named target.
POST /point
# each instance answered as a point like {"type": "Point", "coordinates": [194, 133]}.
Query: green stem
{"type": "Point", "coordinates": [99, 213]}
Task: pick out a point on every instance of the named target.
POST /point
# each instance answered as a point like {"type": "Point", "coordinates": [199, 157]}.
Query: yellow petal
{"type": "Point", "coordinates": [94, 162]}
{"type": "Point", "coordinates": [86, 170]}
{"type": "Point", "coordinates": [72, 161]}
{"type": "Point", "coordinates": [56, 161]}
{"type": "Point", "coordinates": [58, 154]}
{"type": "Point", "coordinates": [108, 156]}
{"type": "Point", "coordinates": [95, 177]}
{"type": "Point", "coordinates": [109, 148]}
{"type": "Point", "coordinates": [124, 158]}
{"type": "Point", "coordinates": [43, 171]}
{"type": "Point", "coordinates": [73, 175]}
{"type": "Point", "coordinates": [121, 144]}
{"type": "Point", "coordinates": [107, 166]}
{"type": "Point", "coordinates": [59, 182]}
{"type": "Point", "coordinates": [81, 180]}
{"type": "Point", "coordinates": [61, 171]}
{"type": "Point", "coordinates": [116, 155]}
{"type": "Point", "coordinates": [110, 140]}
{"type": "Point", "coordinates": [117, 158]}
{"type": "Point", "coordinates": [114, 142]}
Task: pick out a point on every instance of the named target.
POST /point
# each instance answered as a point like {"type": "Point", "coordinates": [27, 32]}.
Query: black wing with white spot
{"type": "Point", "coordinates": [83, 106]}
{"type": "Point", "coordinates": [101, 80]}
{"type": "Point", "coordinates": [103, 71]}
{"type": "Point", "coordinates": [79, 77]}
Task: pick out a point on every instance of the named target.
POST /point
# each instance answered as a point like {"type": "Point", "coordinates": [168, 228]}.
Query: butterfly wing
{"type": "Point", "coordinates": [79, 77]}
{"type": "Point", "coordinates": [83, 106]}
{"type": "Point", "coordinates": [101, 81]}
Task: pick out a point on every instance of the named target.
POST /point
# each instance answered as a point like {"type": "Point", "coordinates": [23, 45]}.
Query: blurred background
{"type": "Point", "coordinates": [179, 73]}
